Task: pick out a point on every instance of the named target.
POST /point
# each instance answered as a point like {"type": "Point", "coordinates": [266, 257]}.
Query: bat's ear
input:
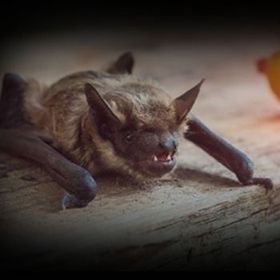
{"type": "Point", "coordinates": [183, 104]}
{"type": "Point", "coordinates": [123, 65]}
{"type": "Point", "coordinates": [101, 110]}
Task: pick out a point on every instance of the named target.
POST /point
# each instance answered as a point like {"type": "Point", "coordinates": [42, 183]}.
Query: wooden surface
{"type": "Point", "coordinates": [199, 217]}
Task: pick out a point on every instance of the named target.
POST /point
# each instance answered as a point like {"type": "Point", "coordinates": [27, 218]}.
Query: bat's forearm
{"type": "Point", "coordinates": [223, 152]}
{"type": "Point", "coordinates": [75, 180]}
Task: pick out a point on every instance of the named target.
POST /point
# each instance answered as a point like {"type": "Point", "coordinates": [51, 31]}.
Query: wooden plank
{"type": "Point", "coordinates": [197, 217]}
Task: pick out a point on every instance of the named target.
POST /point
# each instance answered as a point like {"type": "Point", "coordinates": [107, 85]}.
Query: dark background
{"type": "Point", "coordinates": [25, 19]}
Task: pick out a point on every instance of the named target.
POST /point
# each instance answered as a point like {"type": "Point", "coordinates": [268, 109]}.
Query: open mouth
{"type": "Point", "coordinates": [159, 164]}
{"type": "Point", "coordinates": [164, 157]}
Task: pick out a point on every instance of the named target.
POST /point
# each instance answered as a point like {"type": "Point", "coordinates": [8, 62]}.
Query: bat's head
{"type": "Point", "coordinates": [141, 125]}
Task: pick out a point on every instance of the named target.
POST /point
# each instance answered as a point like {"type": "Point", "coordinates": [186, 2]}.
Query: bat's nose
{"type": "Point", "coordinates": [168, 143]}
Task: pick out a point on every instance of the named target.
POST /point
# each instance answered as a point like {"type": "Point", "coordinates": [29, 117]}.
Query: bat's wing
{"type": "Point", "coordinates": [11, 102]}
{"type": "Point", "coordinates": [224, 152]}
{"type": "Point", "coordinates": [123, 65]}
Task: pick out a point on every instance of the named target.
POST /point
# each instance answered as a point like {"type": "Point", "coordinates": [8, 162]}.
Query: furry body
{"type": "Point", "coordinates": [61, 111]}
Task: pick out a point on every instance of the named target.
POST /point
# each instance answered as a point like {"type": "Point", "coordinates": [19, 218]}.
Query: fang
{"type": "Point", "coordinates": [155, 158]}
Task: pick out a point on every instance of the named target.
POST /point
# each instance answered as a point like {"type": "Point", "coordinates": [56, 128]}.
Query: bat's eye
{"type": "Point", "coordinates": [128, 137]}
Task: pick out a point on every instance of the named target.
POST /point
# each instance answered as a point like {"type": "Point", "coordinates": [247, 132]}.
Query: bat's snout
{"type": "Point", "coordinates": [163, 158]}
{"type": "Point", "coordinates": [168, 144]}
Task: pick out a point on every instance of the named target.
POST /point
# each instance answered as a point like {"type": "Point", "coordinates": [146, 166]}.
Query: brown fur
{"type": "Point", "coordinates": [61, 111]}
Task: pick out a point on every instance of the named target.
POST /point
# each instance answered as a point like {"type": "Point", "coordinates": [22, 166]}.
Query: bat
{"type": "Point", "coordinates": [93, 122]}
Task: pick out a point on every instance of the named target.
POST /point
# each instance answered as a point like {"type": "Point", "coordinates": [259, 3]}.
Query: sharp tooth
{"type": "Point", "coordinates": [168, 157]}
{"type": "Point", "coordinates": [155, 158]}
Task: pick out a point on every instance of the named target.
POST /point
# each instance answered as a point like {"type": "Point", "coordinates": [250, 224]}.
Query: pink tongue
{"type": "Point", "coordinates": [162, 157]}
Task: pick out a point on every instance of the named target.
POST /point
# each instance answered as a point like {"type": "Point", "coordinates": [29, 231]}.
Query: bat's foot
{"type": "Point", "coordinates": [264, 182]}
{"type": "Point", "coordinates": [70, 201]}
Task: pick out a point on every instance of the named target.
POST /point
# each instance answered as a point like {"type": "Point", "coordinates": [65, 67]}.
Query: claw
{"type": "Point", "coordinates": [70, 201]}
{"type": "Point", "coordinates": [264, 182]}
